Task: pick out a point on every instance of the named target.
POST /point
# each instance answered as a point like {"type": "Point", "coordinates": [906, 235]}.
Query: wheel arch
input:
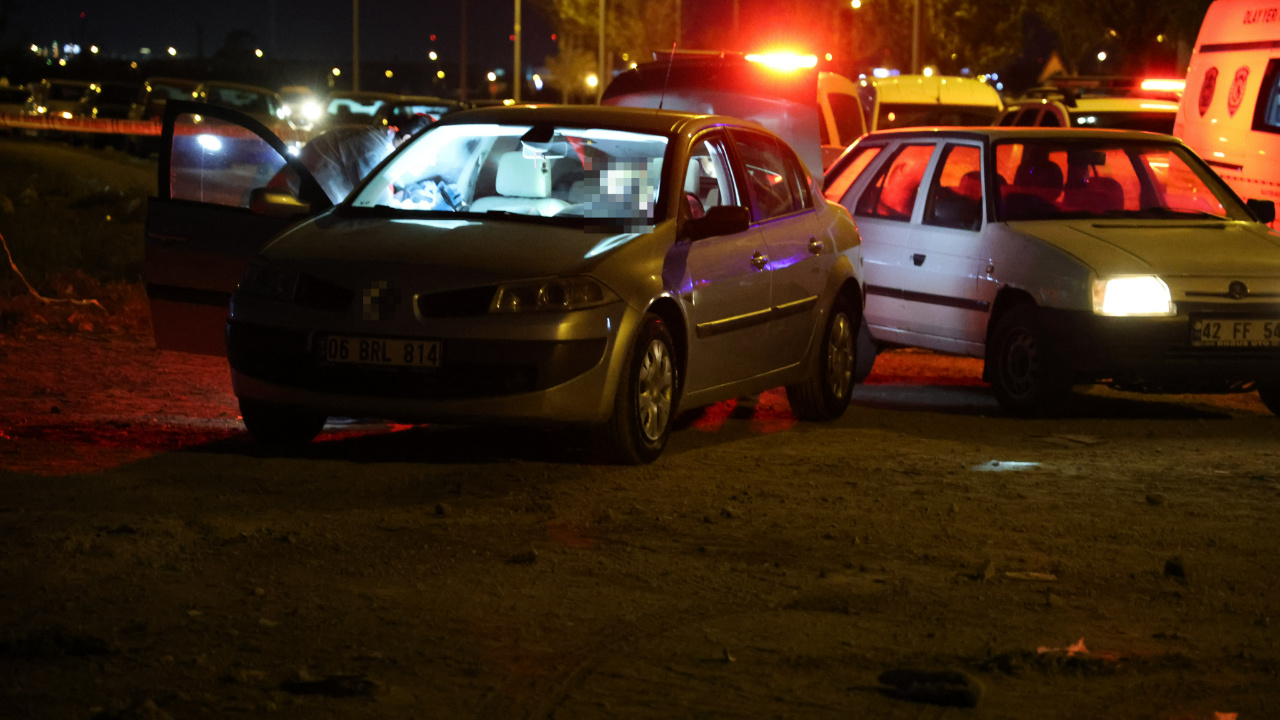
{"type": "Point", "coordinates": [669, 310]}
{"type": "Point", "coordinates": [1008, 297]}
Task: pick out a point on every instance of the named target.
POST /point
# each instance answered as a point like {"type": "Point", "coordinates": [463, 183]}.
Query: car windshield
{"type": "Point", "coordinates": [343, 109]}
{"type": "Point", "coordinates": [586, 174]}
{"type": "Point", "coordinates": [1158, 122]}
{"type": "Point", "coordinates": [1062, 179]}
{"type": "Point", "coordinates": [160, 91]}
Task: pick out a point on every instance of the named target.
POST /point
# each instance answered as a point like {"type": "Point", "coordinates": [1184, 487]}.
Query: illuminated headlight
{"type": "Point", "coordinates": [269, 281]}
{"type": "Point", "coordinates": [284, 112]}
{"type": "Point", "coordinates": [555, 294]}
{"type": "Point", "coordinates": [66, 115]}
{"type": "Point", "coordinates": [1140, 295]}
{"type": "Point", "coordinates": [209, 142]}
{"type": "Point", "coordinates": [42, 109]}
{"type": "Point", "coordinates": [312, 111]}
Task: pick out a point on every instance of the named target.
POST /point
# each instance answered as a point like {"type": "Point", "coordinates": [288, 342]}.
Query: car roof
{"type": "Point", "coordinates": [174, 81]}
{"type": "Point", "coordinates": [363, 95]}
{"type": "Point", "coordinates": [1022, 133]}
{"type": "Point", "coordinates": [238, 86]}
{"type": "Point", "coordinates": [644, 120]}
{"type": "Point", "coordinates": [1102, 103]}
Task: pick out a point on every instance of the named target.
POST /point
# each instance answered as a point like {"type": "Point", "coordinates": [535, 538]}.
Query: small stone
{"type": "Point", "coordinates": [1174, 568]}
{"type": "Point", "coordinates": [1155, 499]}
{"type": "Point", "coordinates": [727, 513]}
{"type": "Point", "coordinates": [1052, 600]}
{"type": "Point", "coordinates": [728, 656]}
{"type": "Point", "coordinates": [442, 509]}
{"type": "Point", "coordinates": [525, 558]}
{"type": "Point", "coordinates": [986, 571]}
{"type": "Point", "coordinates": [606, 516]}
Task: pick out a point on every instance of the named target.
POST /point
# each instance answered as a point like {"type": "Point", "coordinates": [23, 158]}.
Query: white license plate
{"type": "Point", "coordinates": [1231, 332]}
{"type": "Point", "coordinates": [381, 351]}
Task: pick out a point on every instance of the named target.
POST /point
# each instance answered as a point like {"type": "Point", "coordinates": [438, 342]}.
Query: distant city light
{"type": "Point", "coordinates": [537, 81]}
{"type": "Point", "coordinates": [440, 74]}
{"type": "Point", "coordinates": [35, 48]}
{"type": "Point", "coordinates": [432, 55]}
{"type": "Point", "coordinates": [592, 80]}
{"type": "Point", "coordinates": [337, 72]}
{"type": "Point", "coordinates": [1160, 38]}
{"type": "Point", "coordinates": [258, 52]}
{"type": "Point", "coordinates": [62, 62]}
{"type": "Point", "coordinates": [173, 51]}
{"type": "Point", "coordinates": [928, 71]}
{"type": "Point", "coordinates": [390, 74]}
{"type": "Point", "coordinates": [1102, 56]}
{"type": "Point", "coordinates": [93, 49]}
{"type": "Point", "coordinates": [493, 77]}
{"type": "Point", "coordinates": [144, 51]}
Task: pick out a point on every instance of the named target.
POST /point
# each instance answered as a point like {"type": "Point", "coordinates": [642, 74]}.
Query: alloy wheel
{"type": "Point", "coordinates": [656, 381]}
{"type": "Point", "coordinates": [1018, 371]}
{"type": "Point", "coordinates": [840, 356]}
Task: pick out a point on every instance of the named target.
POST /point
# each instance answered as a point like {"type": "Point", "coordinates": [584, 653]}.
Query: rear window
{"type": "Point", "coordinates": [847, 112]}
{"type": "Point", "coordinates": [1159, 122]}
{"type": "Point", "coordinates": [911, 115]}
{"type": "Point", "coordinates": [892, 195]}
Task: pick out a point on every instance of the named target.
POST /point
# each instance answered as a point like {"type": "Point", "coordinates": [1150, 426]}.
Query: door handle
{"type": "Point", "coordinates": [759, 260]}
{"type": "Point", "coordinates": [918, 259]}
{"type": "Point", "coordinates": [815, 245]}
{"type": "Point", "coordinates": [168, 239]}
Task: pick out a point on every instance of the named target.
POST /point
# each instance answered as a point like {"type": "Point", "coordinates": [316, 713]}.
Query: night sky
{"type": "Point", "coordinates": [288, 29]}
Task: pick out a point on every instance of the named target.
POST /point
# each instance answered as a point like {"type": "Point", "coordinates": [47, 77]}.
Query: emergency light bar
{"type": "Point", "coordinates": [785, 62]}
{"type": "Point", "coordinates": [1154, 85]}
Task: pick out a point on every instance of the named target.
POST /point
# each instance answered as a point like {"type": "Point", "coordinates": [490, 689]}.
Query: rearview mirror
{"type": "Point", "coordinates": [276, 202]}
{"type": "Point", "coordinates": [1264, 210]}
{"type": "Point", "coordinates": [719, 220]}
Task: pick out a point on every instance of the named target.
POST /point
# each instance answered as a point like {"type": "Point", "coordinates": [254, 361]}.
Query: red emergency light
{"type": "Point", "coordinates": [785, 62]}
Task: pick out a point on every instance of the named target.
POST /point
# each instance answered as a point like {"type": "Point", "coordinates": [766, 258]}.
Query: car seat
{"type": "Point", "coordinates": [1034, 191]}
{"type": "Point", "coordinates": [1097, 195]}
{"type": "Point", "coordinates": [523, 186]}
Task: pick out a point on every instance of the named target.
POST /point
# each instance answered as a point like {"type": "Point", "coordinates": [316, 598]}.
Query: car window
{"type": "Point", "coordinates": [1007, 119]}
{"type": "Point", "coordinates": [1050, 119]}
{"type": "Point", "coordinates": [66, 92]}
{"type": "Point", "coordinates": [708, 178]}
{"type": "Point", "coordinates": [847, 113]}
{"type": "Point", "coordinates": [605, 175]}
{"type": "Point", "coordinates": [839, 185]}
{"type": "Point", "coordinates": [771, 181]}
{"type": "Point", "coordinates": [937, 114]}
{"type": "Point", "coordinates": [956, 198]}
{"type": "Point", "coordinates": [1027, 118]}
{"type": "Point", "coordinates": [217, 162]}
{"type": "Point", "coordinates": [892, 194]}
{"type": "Point", "coordinates": [168, 92]}
{"type": "Point", "coordinates": [1061, 179]}
{"type": "Point", "coordinates": [1267, 115]}
{"type": "Point", "coordinates": [246, 101]}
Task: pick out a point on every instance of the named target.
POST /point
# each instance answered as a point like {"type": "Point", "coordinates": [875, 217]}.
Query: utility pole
{"type": "Point", "coordinates": [915, 39]}
{"type": "Point", "coordinates": [355, 45]}
{"type": "Point", "coordinates": [517, 81]}
{"type": "Point", "coordinates": [462, 56]}
{"type": "Point", "coordinates": [600, 76]}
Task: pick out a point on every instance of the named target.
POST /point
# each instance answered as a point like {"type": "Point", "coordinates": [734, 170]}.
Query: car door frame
{"type": "Point", "coordinates": [196, 251]}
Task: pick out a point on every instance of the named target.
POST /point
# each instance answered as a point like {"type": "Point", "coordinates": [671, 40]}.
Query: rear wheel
{"type": "Point", "coordinates": [1027, 377]}
{"type": "Point", "coordinates": [1269, 391]}
{"type": "Point", "coordinates": [825, 394]}
{"type": "Point", "coordinates": [277, 425]}
{"type": "Point", "coordinates": [648, 394]}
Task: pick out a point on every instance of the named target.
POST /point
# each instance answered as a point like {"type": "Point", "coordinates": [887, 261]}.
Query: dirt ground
{"type": "Point", "coordinates": [1117, 562]}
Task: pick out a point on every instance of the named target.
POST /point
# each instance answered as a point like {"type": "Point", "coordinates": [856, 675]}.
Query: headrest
{"type": "Point", "coordinates": [519, 176]}
{"type": "Point", "coordinates": [1043, 174]}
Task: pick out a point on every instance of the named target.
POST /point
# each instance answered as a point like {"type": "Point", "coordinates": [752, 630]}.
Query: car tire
{"type": "Point", "coordinates": [647, 398]}
{"type": "Point", "coordinates": [1269, 391]}
{"type": "Point", "coordinates": [1027, 376]}
{"type": "Point", "coordinates": [825, 394]}
{"type": "Point", "coordinates": [276, 425]}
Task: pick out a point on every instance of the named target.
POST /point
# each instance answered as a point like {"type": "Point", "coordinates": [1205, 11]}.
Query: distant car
{"type": "Point", "coordinates": [1067, 108]}
{"type": "Point", "coordinates": [301, 106]}
{"type": "Point", "coordinates": [13, 101]}
{"type": "Point", "coordinates": [928, 100]}
{"type": "Point", "coordinates": [259, 103]}
{"type": "Point", "coordinates": [107, 101]}
{"type": "Point", "coordinates": [346, 107]}
{"type": "Point", "coordinates": [1065, 257]}
{"type": "Point", "coordinates": [580, 266]}
{"type": "Point", "coordinates": [157, 91]}
{"type": "Point", "coordinates": [392, 112]}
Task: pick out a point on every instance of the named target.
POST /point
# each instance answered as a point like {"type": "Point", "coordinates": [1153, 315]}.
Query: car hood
{"type": "Point", "coordinates": [1171, 248]}
{"type": "Point", "coordinates": [461, 252]}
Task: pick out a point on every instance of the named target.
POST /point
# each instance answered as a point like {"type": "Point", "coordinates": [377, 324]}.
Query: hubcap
{"type": "Point", "coordinates": [840, 356]}
{"type": "Point", "coordinates": [657, 378]}
{"type": "Point", "coordinates": [1019, 367]}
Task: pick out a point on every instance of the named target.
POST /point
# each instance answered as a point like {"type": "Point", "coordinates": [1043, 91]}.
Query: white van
{"type": "Point", "coordinates": [1230, 112]}
{"type": "Point", "coordinates": [928, 100]}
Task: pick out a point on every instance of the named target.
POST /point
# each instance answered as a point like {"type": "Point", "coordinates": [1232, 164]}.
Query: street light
{"type": "Point", "coordinates": [389, 74]}
{"type": "Point", "coordinates": [258, 52]}
{"type": "Point", "coordinates": [432, 55]}
{"type": "Point", "coordinates": [440, 74]}
{"type": "Point", "coordinates": [173, 51]}
{"type": "Point", "coordinates": [493, 77]}
{"type": "Point", "coordinates": [337, 72]}
{"type": "Point", "coordinates": [592, 80]}
{"type": "Point", "coordinates": [1102, 56]}
{"type": "Point", "coordinates": [94, 49]}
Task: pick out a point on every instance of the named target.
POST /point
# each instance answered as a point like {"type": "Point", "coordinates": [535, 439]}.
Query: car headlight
{"type": "Point", "coordinates": [553, 294]}
{"type": "Point", "coordinates": [266, 280]}
{"type": "Point", "coordinates": [1136, 295]}
{"type": "Point", "coordinates": [312, 111]}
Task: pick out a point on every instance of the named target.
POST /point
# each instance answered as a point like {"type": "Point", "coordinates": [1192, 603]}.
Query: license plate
{"type": "Point", "coordinates": [1233, 332]}
{"type": "Point", "coordinates": [381, 351]}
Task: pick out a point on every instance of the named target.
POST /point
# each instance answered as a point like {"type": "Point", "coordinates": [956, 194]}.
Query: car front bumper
{"type": "Point", "coordinates": [561, 377]}
{"type": "Point", "coordinates": [1156, 354]}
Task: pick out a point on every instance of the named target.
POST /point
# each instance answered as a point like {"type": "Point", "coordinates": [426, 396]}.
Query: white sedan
{"type": "Point", "coordinates": [1064, 257]}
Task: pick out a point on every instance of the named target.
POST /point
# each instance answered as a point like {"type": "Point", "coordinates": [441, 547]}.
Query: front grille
{"type": "Point", "coordinates": [322, 294]}
{"type": "Point", "coordinates": [469, 302]}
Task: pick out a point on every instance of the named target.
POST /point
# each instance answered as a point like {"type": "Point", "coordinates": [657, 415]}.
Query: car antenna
{"type": "Point", "coordinates": [670, 62]}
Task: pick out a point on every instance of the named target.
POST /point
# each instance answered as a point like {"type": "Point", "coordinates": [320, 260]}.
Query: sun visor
{"type": "Point", "coordinates": [794, 122]}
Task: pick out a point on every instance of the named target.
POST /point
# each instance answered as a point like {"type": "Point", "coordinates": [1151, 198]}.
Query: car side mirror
{"type": "Point", "coordinates": [719, 220]}
{"type": "Point", "coordinates": [276, 202]}
{"type": "Point", "coordinates": [1264, 210]}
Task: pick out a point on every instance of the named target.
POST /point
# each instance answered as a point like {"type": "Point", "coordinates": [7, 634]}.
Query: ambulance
{"type": "Point", "coordinates": [1230, 112]}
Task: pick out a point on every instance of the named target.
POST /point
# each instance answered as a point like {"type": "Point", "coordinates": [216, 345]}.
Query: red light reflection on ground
{"type": "Point", "coordinates": [569, 535]}
{"type": "Point", "coordinates": [714, 416]}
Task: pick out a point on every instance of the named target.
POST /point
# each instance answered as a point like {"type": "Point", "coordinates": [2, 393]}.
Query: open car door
{"type": "Point", "coordinates": [226, 187]}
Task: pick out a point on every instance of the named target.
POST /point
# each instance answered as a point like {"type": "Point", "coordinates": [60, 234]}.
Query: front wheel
{"type": "Point", "coordinates": [276, 425]}
{"type": "Point", "coordinates": [1027, 377]}
{"type": "Point", "coordinates": [825, 394]}
{"type": "Point", "coordinates": [648, 394]}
